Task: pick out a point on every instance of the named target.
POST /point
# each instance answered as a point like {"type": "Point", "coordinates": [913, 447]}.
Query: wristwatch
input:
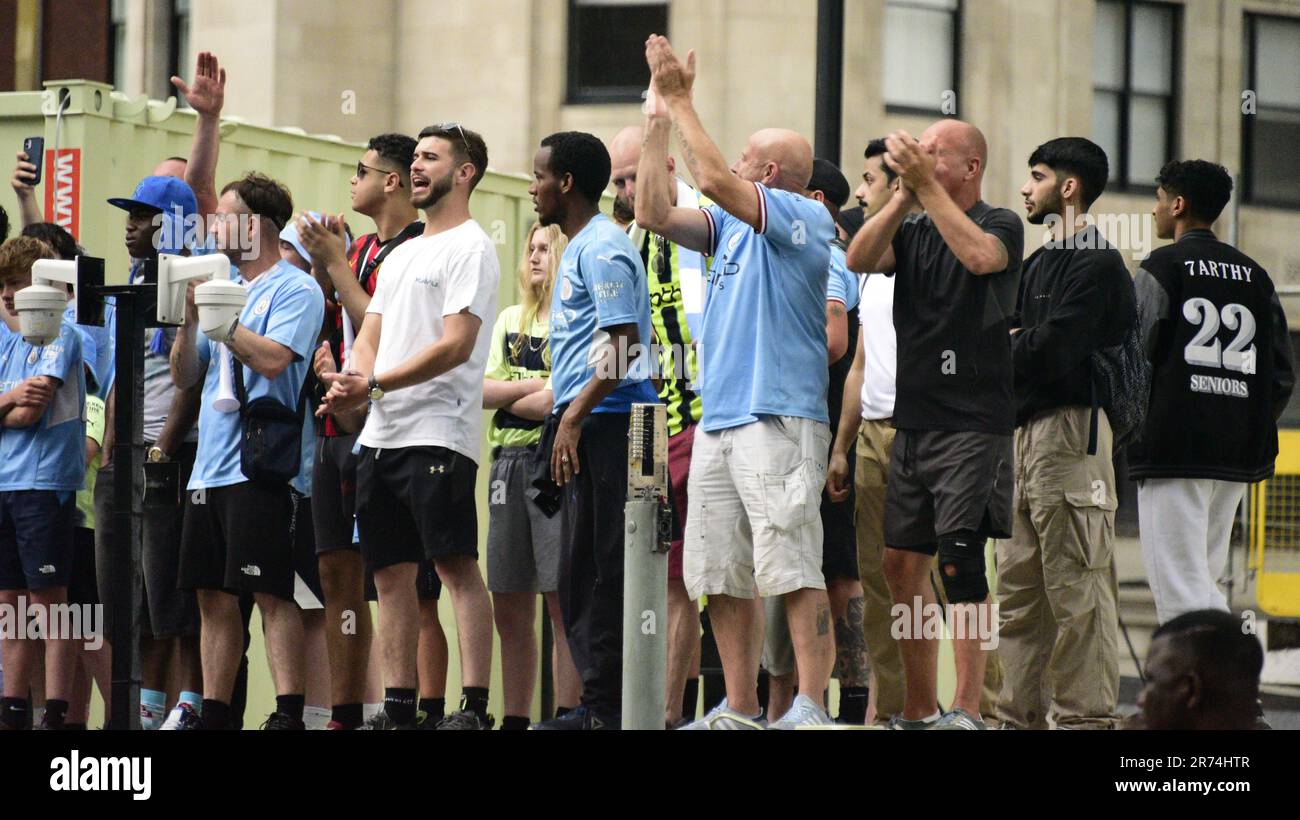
{"type": "Point", "coordinates": [156, 455]}
{"type": "Point", "coordinates": [376, 392]}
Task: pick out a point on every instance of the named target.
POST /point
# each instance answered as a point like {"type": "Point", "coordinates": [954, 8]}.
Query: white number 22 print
{"type": "Point", "coordinates": [1204, 348]}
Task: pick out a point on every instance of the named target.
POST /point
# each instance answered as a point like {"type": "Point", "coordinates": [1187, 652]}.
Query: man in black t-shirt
{"type": "Point", "coordinates": [1058, 636]}
{"type": "Point", "coordinates": [957, 270]}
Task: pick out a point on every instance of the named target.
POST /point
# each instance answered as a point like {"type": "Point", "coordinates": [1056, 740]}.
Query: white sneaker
{"type": "Point", "coordinates": [721, 717]}
{"type": "Point", "coordinates": [182, 715]}
{"type": "Point", "coordinates": [803, 712]}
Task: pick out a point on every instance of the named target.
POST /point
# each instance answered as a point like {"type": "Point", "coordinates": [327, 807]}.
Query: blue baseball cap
{"type": "Point", "coordinates": [163, 194]}
{"type": "Point", "coordinates": [174, 199]}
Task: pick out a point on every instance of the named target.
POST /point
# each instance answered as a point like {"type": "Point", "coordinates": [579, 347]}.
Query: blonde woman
{"type": "Point", "coordinates": [523, 546]}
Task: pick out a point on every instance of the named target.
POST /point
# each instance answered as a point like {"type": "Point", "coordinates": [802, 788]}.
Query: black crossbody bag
{"type": "Point", "coordinates": [270, 445]}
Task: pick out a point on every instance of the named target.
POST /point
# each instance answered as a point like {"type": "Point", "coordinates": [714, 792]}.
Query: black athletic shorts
{"type": "Point", "coordinates": [839, 533]}
{"type": "Point", "coordinates": [941, 483]}
{"type": "Point", "coordinates": [304, 552]}
{"type": "Point", "coordinates": [36, 548]}
{"type": "Point", "coordinates": [334, 486]}
{"type": "Point", "coordinates": [81, 586]}
{"type": "Point", "coordinates": [415, 503]}
{"type": "Point", "coordinates": [238, 539]}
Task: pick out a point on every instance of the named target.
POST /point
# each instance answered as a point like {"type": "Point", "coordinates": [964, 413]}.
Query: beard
{"type": "Point", "coordinates": [438, 188]}
{"type": "Point", "coordinates": [624, 210]}
{"type": "Point", "coordinates": [1051, 205]}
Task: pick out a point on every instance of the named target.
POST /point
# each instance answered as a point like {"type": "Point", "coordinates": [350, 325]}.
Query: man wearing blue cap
{"type": "Point", "coordinates": [161, 218]}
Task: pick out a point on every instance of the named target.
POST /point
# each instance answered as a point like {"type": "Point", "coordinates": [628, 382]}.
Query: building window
{"type": "Point", "coordinates": [922, 56]}
{"type": "Point", "coordinates": [1135, 105]}
{"type": "Point", "coordinates": [1271, 132]}
{"type": "Point", "coordinates": [607, 48]}
{"type": "Point", "coordinates": [117, 43]}
{"type": "Point", "coordinates": [178, 58]}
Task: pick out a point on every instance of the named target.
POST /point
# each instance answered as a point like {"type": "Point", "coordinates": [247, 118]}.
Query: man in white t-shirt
{"type": "Point", "coordinates": [419, 358]}
{"type": "Point", "coordinates": [867, 415]}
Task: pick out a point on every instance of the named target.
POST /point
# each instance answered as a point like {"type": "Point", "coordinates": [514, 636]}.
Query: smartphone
{"type": "Point", "coordinates": [34, 148]}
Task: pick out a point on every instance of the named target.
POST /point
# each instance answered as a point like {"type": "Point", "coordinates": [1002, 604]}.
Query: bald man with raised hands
{"type": "Point", "coordinates": [759, 458]}
{"type": "Point", "coordinates": [957, 268]}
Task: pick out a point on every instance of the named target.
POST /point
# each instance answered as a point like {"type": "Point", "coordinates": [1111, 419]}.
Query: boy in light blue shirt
{"type": "Point", "coordinates": [42, 393]}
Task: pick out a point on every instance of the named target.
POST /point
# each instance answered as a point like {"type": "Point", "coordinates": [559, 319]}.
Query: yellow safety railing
{"type": "Point", "coordinates": [1275, 532]}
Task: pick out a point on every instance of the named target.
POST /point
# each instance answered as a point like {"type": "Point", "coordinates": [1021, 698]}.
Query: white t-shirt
{"type": "Point", "coordinates": [876, 313]}
{"type": "Point", "coordinates": [426, 279]}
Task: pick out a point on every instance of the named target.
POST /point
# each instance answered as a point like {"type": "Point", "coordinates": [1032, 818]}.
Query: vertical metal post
{"type": "Point", "coordinates": [830, 79]}
{"type": "Point", "coordinates": [128, 466]}
{"type": "Point", "coordinates": [646, 532]}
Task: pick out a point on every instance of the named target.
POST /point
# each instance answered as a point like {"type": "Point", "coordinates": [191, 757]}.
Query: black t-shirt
{"type": "Point", "coordinates": [954, 348]}
{"type": "Point", "coordinates": [1074, 300]}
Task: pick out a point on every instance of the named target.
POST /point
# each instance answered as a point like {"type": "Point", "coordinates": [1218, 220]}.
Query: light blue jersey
{"type": "Point", "coordinates": [98, 346]}
{"type": "Point", "coordinates": [50, 454]}
{"type": "Point", "coordinates": [763, 348]}
{"type": "Point", "coordinates": [842, 283]}
{"type": "Point", "coordinates": [286, 306]}
{"type": "Point", "coordinates": [601, 283]}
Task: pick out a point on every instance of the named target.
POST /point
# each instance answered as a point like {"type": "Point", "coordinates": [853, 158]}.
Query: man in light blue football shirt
{"type": "Point", "coordinates": [236, 535]}
{"type": "Point", "coordinates": [600, 326]}
{"type": "Point", "coordinates": [760, 455]}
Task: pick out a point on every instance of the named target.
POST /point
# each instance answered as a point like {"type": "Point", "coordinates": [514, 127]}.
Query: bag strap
{"type": "Point", "coordinates": [1092, 420]}
{"type": "Point", "coordinates": [242, 394]}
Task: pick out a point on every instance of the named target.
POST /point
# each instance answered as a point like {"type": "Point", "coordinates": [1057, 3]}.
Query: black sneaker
{"type": "Point", "coordinates": [381, 722]}
{"type": "Point", "coordinates": [464, 720]}
{"type": "Point", "coordinates": [279, 720]}
{"type": "Point", "coordinates": [571, 721]}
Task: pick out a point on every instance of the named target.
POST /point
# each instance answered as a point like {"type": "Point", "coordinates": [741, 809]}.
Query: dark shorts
{"type": "Point", "coordinates": [679, 467]}
{"type": "Point", "coordinates": [165, 610]}
{"type": "Point", "coordinates": [415, 503]}
{"type": "Point", "coordinates": [334, 486]}
{"type": "Point", "coordinates": [36, 546]}
{"type": "Point", "coordinates": [839, 532]}
{"type": "Point", "coordinates": [307, 591]}
{"type": "Point", "coordinates": [238, 539]}
{"type": "Point", "coordinates": [81, 586]}
{"type": "Point", "coordinates": [941, 483]}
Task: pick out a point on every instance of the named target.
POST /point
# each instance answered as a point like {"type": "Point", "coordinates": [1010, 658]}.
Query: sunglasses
{"type": "Point", "coordinates": [447, 126]}
{"type": "Point", "coordinates": [362, 168]}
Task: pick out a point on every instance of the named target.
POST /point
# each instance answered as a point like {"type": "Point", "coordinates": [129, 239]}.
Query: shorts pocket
{"type": "Point", "coordinates": [792, 499]}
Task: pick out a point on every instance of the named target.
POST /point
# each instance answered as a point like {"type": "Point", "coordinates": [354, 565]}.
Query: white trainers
{"type": "Point", "coordinates": [958, 719]}
{"type": "Point", "coordinates": [721, 718]}
{"type": "Point", "coordinates": [803, 712]}
{"type": "Point", "coordinates": [181, 717]}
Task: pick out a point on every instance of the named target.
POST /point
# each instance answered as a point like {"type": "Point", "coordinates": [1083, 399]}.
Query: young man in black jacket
{"type": "Point", "coordinates": [1058, 621]}
{"type": "Point", "coordinates": [1217, 338]}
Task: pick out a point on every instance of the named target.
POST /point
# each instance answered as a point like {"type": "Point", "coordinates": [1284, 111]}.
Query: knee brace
{"type": "Point", "coordinates": [961, 566]}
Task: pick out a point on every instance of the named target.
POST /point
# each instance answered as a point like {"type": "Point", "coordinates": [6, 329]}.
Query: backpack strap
{"type": "Point", "coordinates": [1093, 420]}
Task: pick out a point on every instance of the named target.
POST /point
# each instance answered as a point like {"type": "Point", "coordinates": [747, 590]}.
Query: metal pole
{"type": "Point", "coordinates": [128, 464]}
{"type": "Point", "coordinates": [645, 570]}
{"type": "Point", "coordinates": [830, 79]}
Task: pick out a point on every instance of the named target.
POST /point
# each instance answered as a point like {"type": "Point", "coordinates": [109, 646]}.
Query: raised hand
{"type": "Point", "coordinates": [24, 173]}
{"type": "Point", "coordinates": [669, 78]}
{"type": "Point", "coordinates": [913, 163]}
{"type": "Point", "coordinates": [208, 93]}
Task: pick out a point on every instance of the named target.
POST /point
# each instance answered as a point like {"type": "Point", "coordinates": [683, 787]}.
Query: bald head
{"type": "Point", "coordinates": [170, 167]}
{"type": "Point", "coordinates": [962, 155]}
{"type": "Point", "coordinates": [782, 149]}
{"type": "Point", "coordinates": [625, 148]}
